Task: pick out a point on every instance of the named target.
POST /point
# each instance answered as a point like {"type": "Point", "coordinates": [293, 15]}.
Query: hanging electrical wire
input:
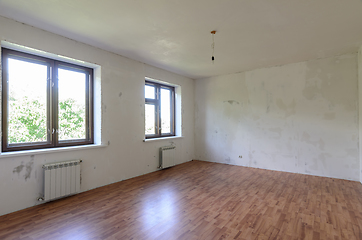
{"type": "Point", "coordinates": [213, 46]}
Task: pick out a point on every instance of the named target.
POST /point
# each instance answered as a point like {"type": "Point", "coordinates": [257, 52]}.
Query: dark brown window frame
{"type": "Point", "coordinates": [157, 103]}
{"type": "Point", "coordinates": [52, 102]}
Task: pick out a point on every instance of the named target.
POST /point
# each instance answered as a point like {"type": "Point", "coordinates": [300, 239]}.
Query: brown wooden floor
{"type": "Point", "coordinates": [200, 200]}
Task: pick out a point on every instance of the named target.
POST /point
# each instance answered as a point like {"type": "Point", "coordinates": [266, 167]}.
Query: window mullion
{"type": "Point", "coordinates": [49, 104]}
{"type": "Point", "coordinates": [55, 121]}
{"type": "Point", "coordinates": [158, 111]}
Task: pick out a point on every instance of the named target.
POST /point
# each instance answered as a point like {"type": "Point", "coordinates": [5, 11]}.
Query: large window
{"type": "Point", "coordinates": [159, 110]}
{"type": "Point", "coordinates": [45, 103]}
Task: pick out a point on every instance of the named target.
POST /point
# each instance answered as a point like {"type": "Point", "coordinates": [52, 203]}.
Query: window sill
{"type": "Point", "coordinates": [161, 138]}
{"type": "Point", "coordinates": [49, 150]}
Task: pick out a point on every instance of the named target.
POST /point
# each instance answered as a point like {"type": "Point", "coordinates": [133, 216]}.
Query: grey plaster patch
{"type": "Point", "coordinates": [19, 168]}
{"type": "Point", "coordinates": [228, 160]}
{"type": "Point", "coordinates": [307, 139]}
{"type": "Point", "coordinates": [352, 152]}
{"type": "Point", "coordinates": [255, 117]}
{"type": "Point", "coordinates": [329, 116]}
{"type": "Point", "coordinates": [332, 81]}
{"type": "Point", "coordinates": [314, 167]}
{"type": "Point", "coordinates": [310, 92]}
{"type": "Point", "coordinates": [250, 156]}
{"type": "Point", "coordinates": [231, 102]}
{"type": "Point", "coordinates": [289, 109]}
{"type": "Point", "coordinates": [29, 168]}
{"type": "Point", "coordinates": [276, 130]}
{"type": "Point", "coordinates": [321, 144]}
{"type": "Point", "coordinates": [120, 94]}
{"type": "Point", "coordinates": [322, 157]}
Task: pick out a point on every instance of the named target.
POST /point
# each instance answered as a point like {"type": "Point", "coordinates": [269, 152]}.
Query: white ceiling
{"type": "Point", "coordinates": [175, 34]}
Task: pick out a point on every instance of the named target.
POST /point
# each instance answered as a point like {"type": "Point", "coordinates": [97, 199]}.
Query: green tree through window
{"type": "Point", "coordinates": [46, 103]}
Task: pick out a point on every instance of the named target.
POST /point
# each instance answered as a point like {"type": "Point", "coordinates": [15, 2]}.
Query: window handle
{"type": "Point", "coordinates": [51, 131]}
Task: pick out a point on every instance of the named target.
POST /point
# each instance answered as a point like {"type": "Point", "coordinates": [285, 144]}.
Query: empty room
{"type": "Point", "coordinates": [198, 119]}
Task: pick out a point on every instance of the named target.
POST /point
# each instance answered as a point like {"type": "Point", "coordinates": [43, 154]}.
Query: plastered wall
{"type": "Point", "coordinates": [300, 118]}
{"type": "Point", "coordinates": [360, 106]}
{"type": "Point", "coordinates": [124, 155]}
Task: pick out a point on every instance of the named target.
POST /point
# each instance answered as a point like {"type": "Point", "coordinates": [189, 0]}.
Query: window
{"type": "Point", "coordinates": [46, 103]}
{"type": "Point", "coordinates": [159, 110]}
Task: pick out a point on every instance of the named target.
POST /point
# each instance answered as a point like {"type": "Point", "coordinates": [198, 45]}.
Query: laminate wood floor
{"type": "Point", "coordinates": [200, 200]}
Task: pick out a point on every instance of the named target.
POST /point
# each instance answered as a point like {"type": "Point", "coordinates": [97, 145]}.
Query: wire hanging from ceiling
{"type": "Point", "coordinates": [213, 46]}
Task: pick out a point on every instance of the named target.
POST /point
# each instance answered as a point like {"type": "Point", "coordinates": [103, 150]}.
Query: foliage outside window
{"type": "Point", "coordinates": [159, 110]}
{"type": "Point", "coordinates": [46, 103]}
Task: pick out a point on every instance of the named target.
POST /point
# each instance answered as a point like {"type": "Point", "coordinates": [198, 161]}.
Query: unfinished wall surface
{"type": "Point", "coordinates": [300, 118]}
{"type": "Point", "coordinates": [360, 106]}
{"type": "Point", "coordinates": [124, 155]}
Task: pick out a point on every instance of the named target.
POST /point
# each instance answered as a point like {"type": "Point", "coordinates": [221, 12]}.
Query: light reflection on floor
{"type": "Point", "coordinates": [160, 207]}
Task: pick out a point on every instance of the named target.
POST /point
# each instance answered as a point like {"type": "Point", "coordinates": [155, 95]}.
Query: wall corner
{"type": "Point", "coordinates": [359, 66]}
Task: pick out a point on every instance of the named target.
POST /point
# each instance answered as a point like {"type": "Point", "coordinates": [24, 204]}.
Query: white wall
{"type": "Point", "coordinates": [300, 117]}
{"type": "Point", "coordinates": [125, 154]}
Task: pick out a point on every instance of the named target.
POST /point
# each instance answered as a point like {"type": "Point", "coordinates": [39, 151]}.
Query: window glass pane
{"type": "Point", "coordinates": [150, 119]}
{"type": "Point", "coordinates": [27, 107]}
{"type": "Point", "coordinates": [72, 105]}
{"type": "Point", "coordinates": [165, 111]}
{"type": "Point", "coordinates": [149, 92]}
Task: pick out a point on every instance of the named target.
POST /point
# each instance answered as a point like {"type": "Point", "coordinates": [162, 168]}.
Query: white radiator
{"type": "Point", "coordinates": [61, 179]}
{"type": "Point", "coordinates": [167, 156]}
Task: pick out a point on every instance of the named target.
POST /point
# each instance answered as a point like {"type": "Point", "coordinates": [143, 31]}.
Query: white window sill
{"type": "Point", "coordinates": [162, 138]}
{"type": "Point", "coordinates": [49, 150]}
